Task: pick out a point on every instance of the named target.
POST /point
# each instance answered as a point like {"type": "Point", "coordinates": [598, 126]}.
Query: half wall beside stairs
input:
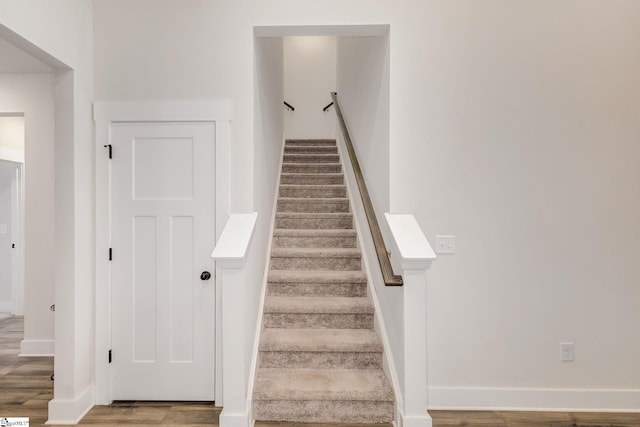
{"type": "Point", "coordinates": [318, 319]}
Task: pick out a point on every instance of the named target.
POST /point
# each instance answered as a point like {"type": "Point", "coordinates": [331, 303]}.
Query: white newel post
{"type": "Point", "coordinates": [414, 254]}
{"type": "Point", "coordinates": [230, 254]}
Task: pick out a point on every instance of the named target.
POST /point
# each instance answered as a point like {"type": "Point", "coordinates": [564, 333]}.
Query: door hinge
{"type": "Point", "coordinates": [110, 254]}
{"type": "Point", "coordinates": [110, 150]}
{"type": "Point", "coordinates": [109, 356]}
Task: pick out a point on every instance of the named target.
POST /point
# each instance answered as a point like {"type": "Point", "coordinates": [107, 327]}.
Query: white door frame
{"type": "Point", "coordinates": [17, 232]}
{"type": "Point", "coordinates": [16, 157]}
{"type": "Point", "coordinates": [220, 113]}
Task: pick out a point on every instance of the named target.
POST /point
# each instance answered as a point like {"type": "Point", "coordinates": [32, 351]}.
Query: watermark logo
{"type": "Point", "coordinates": [14, 422]}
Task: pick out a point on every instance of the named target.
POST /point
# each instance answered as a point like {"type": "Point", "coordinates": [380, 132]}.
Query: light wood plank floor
{"type": "Point", "coordinates": [26, 388]}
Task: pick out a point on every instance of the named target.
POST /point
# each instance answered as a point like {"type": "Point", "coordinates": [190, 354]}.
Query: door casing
{"type": "Point", "coordinates": [218, 112]}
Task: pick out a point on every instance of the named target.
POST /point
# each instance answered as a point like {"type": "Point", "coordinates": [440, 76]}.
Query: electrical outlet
{"type": "Point", "coordinates": [566, 351]}
{"type": "Point", "coordinates": [445, 244]}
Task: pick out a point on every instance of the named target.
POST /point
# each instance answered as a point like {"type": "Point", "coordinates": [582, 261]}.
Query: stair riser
{"type": "Point", "coordinates": [316, 263]}
{"type": "Point", "coordinates": [308, 142]}
{"type": "Point", "coordinates": [320, 359]}
{"type": "Point", "coordinates": [317, 289]}
{"type": "Point", "coordinates": [317, 179]}
{"type": "Point", "coordinates": [304, 191]}
{"type": "Point", "coordinates": [323, 411]}
{"type": "Point", "coordinates": [315, 223]}
{"type": "Point", "coordinates": [311, 168]}
{"type": "Point", "coordinates": [310, 206]}
{"type": "Point", "coordinates": [318, 320]}
{"type": "Point", "coordinates": [310, 149]}
{"type": "Point", "coordinates": [314, 242]}
{"type": "Point", "coordinates": [311, 158]}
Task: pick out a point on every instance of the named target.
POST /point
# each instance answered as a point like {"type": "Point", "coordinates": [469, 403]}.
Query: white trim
{"type": "Point", "coordinates": [232, 247]}
{"type": "Point", "coordinates": [362, 230]}
{"type": "Point", "coordinates": [163, 111]}
{"type": "Point", "coordinates": [534, 399]}
{"type": "Point", "coordinates": [230, 254]}
{"type": "Point", "coordinates": [414, 249]}
{"type": "Point", "coordinates": [37, 348]}
{"type": "Point", "coordinates": [70, 411]}
{"type": "Point", "coordinates": [10, 155]}
{"type": "Point", "coordinates": [17, 224]}
{"type": "Point", "coordinates": [219, 112]}
{"type": "Point", "coordinates": [322, 30]}
{"type": "Point", "coordinates": [240, 419]}
{"type": "Point", "coordinates": [256, 340]}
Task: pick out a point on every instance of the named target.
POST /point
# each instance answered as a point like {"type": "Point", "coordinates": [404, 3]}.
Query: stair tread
{"type": "Point", "coordinates": [307, 199]}
{"type": "Point", "coordinates": [311, 154]}
{"type": "Point", "coordinates": [312, 186]}
{"type": "Point", "coordinates": [308, 174]}
{"type": "Point", "coordinates": [317, 276]}
{"type": "Point", "coordinates": [315, 253]}
{"type": "Point", "coordinates": [323, 305]}
{"type": "Point", "coordinates": [306, 232]}
{"type": "Point", "coordinates": [322, 384]}
{"type": "Point", "coordinates": [310, 163]}
{"type": "Point", "coordinates": [320, 340]}
{"type": "Point", "coordinates": [311, 141]}
{"type": "Point", "coordinates": [314, 215]}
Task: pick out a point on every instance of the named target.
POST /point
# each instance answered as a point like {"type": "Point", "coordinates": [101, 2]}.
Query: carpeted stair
{"type": "Point", "coordinates": [320, 359]}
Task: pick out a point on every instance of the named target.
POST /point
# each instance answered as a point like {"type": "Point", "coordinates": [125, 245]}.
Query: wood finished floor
{"type": "Point", "coordinates": [26, 388]}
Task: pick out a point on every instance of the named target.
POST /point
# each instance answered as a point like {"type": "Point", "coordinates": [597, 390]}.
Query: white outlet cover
{"type": "Point", "coordinates": [566, 352]}
{"type": "Point", "coordinates": [445, 244]}
{"type": "Point", "coordinates": [3, 228]}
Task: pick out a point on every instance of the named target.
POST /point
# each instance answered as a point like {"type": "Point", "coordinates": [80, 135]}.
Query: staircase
{"type": "Point", "coordinates": [320, 359]}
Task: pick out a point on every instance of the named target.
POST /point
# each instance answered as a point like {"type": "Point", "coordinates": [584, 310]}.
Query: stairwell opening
{"type": "Point", "coordinates": [320, 357]}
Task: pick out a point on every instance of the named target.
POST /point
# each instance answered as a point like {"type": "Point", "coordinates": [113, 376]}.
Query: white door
{"type": "Point", "coordinates": [162, 190]}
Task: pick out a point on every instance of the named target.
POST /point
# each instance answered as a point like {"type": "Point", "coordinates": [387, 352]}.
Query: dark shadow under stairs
{"type": "Point", "coordinates": [320, 360]}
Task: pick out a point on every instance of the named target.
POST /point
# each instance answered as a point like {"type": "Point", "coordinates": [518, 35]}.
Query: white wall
{"type": "Point", "coordinates": [269, 142]}
{"type": "Point", "coordinates": [7, 174]}
{"type": "Point", "coordinates": [521, 140]}
{"type": "Point", "coordinates": [12, 138]}
{"type": "Point", "coordinates": [60, 33]}
{"type": "Point", "coordinates": [309, 77]}
{"type": "Point", "coordinates": [510, 124]}
{"type": "Point", "coordinates": [363, 95]}
{"type": "Point", "coordinates": [32, 94]}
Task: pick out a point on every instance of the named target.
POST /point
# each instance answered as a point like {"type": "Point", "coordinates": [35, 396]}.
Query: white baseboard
{"type": "Point", "coordinates": [37, 348]}
{"type": "Point", "coordinates": [421, 421]}
{"type": "Point", "coordinates": [6, 307]}
{"type": "Point", "coordinates": [533, 399]}
{"type": "Point", "coordinates": [238, 419]}
{"type": "Point", "coordinates": [70, 411]}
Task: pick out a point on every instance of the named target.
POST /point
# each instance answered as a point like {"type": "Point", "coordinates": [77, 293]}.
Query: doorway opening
{"type": "Point", "coordinates": [11, 214]}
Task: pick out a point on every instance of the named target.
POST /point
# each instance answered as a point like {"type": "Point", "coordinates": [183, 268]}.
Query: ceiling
{"type": "Point", "coordinates": [15, 61]}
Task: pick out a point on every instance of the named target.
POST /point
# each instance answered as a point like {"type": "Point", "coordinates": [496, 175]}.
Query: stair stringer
{"type": "Point", "coordinates": [366, 245]}
{"type": "Point", "coordinates": [255, 352]}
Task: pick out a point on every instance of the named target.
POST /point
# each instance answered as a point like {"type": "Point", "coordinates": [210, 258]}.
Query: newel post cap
{"type": "Point", "coordinates": [232, 247]}
{"type": "Point", "coordinates": [414, 250]}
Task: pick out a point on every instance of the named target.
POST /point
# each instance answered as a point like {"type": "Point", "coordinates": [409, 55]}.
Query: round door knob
{"type": "Point", "coordinates": [205, 275]}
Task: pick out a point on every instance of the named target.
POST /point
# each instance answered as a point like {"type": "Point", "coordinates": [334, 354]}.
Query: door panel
{"type": "Point", "coordinates": [162, 234]}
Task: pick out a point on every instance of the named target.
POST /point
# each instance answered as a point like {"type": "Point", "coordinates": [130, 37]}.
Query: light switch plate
{"type": "Point", "coordinates": [3, 228]}
{"type": "Point", "coordinates": [445, 244]}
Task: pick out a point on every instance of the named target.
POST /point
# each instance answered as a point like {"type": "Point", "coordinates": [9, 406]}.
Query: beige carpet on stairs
{"type": "Point", "coordinates": [320, 360]}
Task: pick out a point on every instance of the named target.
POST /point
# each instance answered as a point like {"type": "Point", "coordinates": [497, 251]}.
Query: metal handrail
{"type": "Point", "coordinates": [390, 279]}
{"type": "Point", "coordinates": [289, 106]}
{"type": "Point", "coordinates": [327, 106]}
